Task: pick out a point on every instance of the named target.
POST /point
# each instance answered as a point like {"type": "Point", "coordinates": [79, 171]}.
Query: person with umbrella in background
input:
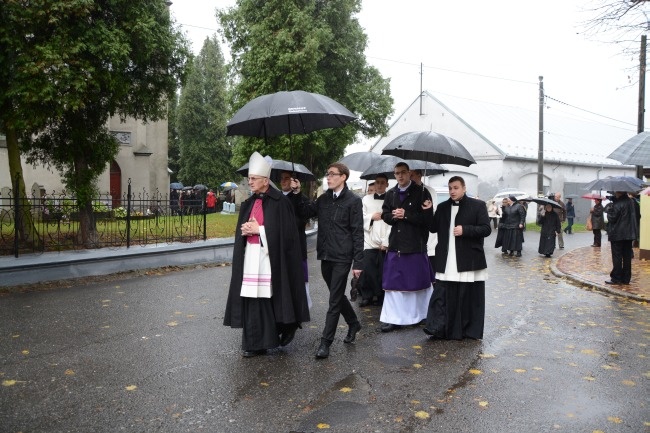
{"type": "Point", "coordinates": [297, 201]}
{"type": "Point", "coordinates": [621, 232]}
{"type": "Point", "coordinates": [457, 308]}
{"type": "Point", "coordinates": [267, 289]}
{"type": "Point", "coordinates": [561, 212]}
{"type": "Point", "coordinates": [339, 247]}
{"type": "Point", "coordinates": [511, 229]}
{"type": "Point", "coordinates": [596, 214]}
{"type": "Point", "coordinates": [550, 226]}
{"type": "Point", "coordinates": [211, 201]}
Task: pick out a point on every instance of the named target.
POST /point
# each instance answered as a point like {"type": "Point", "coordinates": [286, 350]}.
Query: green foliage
{"type": "Point", "coordinates": [307, 45]}
{"type": "Point", "coordinates": [173, 148]}
{"type": "Point", "coordinates": [201, 117]}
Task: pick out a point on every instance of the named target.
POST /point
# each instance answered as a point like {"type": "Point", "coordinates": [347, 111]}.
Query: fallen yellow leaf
{"type": "Point", "coordinates": [264, 384]}
{"type": "Point", "coordinates": [588, 352]}
{"type": "Point", "coordinates": [322, 425]}
{"type": "Point", "coordinates": [25, 352]}
{"type": "Point", "coordinates": [589, 378]}
{"type": "Point", "coordinates": [172, 324]}
{"type": "Point", "coordinates": [475, 371]}
{"type": "Point", "coordinates": [69, 372]}
{"type": "Point", "coordinates": [483, 403]}
{"type": "Point", "coordinates": [538, 368]}
{"type": "Point", "coordinates": [614, 419]}
{"type": "Point", "coordinates": [629, 383]}
{"type": "Point", "coordinates": [421, 414]}
{"type": "Point", "coordinates": [417, 365]}
{"type": "Point", "coordinates": [519, 370]}
{"type": "Point", "coordinates": [131, 388]}
{"type": "Point", "coordinates": [416, 347]}
{"type": "Point", "coordinates": [486, 355]}
{"type": "Point", "coordinates": [415, 401]}
{"type": "Point", "coordinates": [8, 382]}
{"type": "Point", "coordinates": [346, 389]}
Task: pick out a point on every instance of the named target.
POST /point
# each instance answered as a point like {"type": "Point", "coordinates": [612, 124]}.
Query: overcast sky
{"type": "Point", "coordinates": [489, 51]}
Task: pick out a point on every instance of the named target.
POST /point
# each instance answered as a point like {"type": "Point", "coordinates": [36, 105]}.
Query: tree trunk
{"type": "Point", "coordinates": [87, 228]}
{"type": "Point", "coordinates": [24, 223]}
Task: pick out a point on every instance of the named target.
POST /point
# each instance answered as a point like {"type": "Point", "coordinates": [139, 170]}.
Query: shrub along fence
{"type": "Point", "coordinates": [134, 219]}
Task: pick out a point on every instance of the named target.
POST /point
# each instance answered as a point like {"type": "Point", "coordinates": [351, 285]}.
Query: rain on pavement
{"type": "Point", "coordinates": [149, 353]}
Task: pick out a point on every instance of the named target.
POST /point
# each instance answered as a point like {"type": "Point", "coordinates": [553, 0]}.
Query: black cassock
{"type": "Point", "coordinates": [551, 225]}
{"type": "Point", "coordinates": [263, 318]}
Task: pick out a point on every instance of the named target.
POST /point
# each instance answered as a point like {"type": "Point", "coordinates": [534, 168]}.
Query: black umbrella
{"type": "Point", "coordinates": [360, 161]}
{"type": "Point", "coordinates": [175, 185]}
{"type": "Point", "coordinates": [387, 166]}
{"type": "Point", "coordinates": [429, 146]}
{"type": "Point", "coordinates": [200, 187]}
{"type": "Point", "coordinates": [187, 188]}
{"type": "Point", "coordinates": [542, 200]}
{"type": "Point", "coordinates": [615, 183]}
{"type": "Point", "coordinates": [299, 171]}
{"type": "Point", "coordinates": [635, 151]}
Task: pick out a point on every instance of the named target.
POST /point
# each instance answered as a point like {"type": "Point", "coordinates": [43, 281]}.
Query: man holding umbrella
{"type": "Point", "coordinates": [622, 231]}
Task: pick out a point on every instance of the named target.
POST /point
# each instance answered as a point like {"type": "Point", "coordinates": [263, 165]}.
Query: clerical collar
{"type": "Point", "coordinates": [379, 196]}
{"type": "Point", "coordinates": [405, 188]}
{"type": "Point", "coordinates": [260, 195]}
{"type": "Point", "coordinates": [455, 203]}
{"type": "Point", "coordinates": [286, 192]}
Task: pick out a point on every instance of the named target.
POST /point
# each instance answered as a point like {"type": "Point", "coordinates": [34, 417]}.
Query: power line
{"type": "Point", "coordinates": [587, 111]}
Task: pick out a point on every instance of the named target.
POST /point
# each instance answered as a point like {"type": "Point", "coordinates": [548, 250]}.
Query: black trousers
{"type": "Point", "coordinates": [335, 275]}
{"type": "Point", "coordinates": [597, 237]}
{"type": "Point", "coordinates": [621, 261]}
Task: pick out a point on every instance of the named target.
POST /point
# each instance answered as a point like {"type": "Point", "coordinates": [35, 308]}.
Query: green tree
{"type": "Point", "coordinates": [201, 120]}
{"type": "Point", "coordinates": [68, 65]}
{"type": "Point", "coordinates": [312, 45]}
{"type": "Point", "coordinates": [173, 148]}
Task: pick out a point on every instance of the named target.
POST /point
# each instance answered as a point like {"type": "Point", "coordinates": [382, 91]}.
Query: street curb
{"type": "Point", "coordinates": [595, 286]}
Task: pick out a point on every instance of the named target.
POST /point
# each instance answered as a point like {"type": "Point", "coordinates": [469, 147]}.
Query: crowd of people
{"type": "Point", "coordinates": [421, 262]}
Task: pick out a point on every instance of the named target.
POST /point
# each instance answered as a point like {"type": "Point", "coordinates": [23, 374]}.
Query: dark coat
{"type": "Point", "coordinates": [597, 218]}
{"type": "Point", "coordinates": [473, 216]}
{"type": "Point", "coordinates": [621, 220]}
{"type": "Point", "coordinates": [289, 296]}
{"type": "Point", "coordinates": [340, 226]}
{"type": "Point", "coordinates": [297, 200]}
{"type": "Point", "coordinates": [408, 235]}
{"type": "Point", "coordinates": [550, 226]}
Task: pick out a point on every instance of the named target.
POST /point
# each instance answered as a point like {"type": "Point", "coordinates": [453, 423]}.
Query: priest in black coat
{"type": "Point", "coordinates": [267, 215]}
{"type": "Point", "coordinates": [457, 306]}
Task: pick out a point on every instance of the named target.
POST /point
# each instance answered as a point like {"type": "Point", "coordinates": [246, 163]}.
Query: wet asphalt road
{"type": "Point", "coordinates": [149, 354]}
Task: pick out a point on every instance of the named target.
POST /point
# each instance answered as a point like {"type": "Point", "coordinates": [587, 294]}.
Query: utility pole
{"type": "Point", "coordinates": [540, 152]}
{"type": "Point", "coordinates": [640, 122]}
{"type": "Point", "coordinates": [421, 90]}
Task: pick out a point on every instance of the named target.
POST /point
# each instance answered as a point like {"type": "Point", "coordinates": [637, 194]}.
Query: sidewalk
{"type": "Point", "coordinates": [591, 266]}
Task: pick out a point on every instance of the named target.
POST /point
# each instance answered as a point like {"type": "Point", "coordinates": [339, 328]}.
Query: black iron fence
{"type": "Point", "coordinates": [139, 218]}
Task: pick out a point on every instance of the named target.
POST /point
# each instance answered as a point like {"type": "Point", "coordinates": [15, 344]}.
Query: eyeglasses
{"type": "Point", "coordinates": [330, 174]}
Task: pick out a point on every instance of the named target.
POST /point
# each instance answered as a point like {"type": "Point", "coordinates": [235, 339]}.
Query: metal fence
{"type": "Point", "coordinates": [139, 218]}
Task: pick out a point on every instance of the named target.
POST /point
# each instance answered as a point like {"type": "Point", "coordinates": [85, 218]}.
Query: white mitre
{"type": "Point", "coordinates": [259, 165]}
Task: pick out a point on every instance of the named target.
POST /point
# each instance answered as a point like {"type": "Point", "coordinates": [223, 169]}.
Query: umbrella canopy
{"type": "Point", "coordinates": [593, 197]}
{"type": "Point", "coordinates": [200, 187]}
{"type": "Point", "coordinates": [299, 171]}
{"type": "Point", "coordinates": [635, 151]}
{"type": "Point", "coordinates": [175, 185]}
{"type": "Point", "coordinates": [387, 165]}
{"type": "Point", "coordinates": [360, 161]}
{"type": "Point", "coordinates": [295, 112]}
{"type": "Point", "coordinates": [429, 146]}
{"type": "Point", "coordinates": [542, 201]}
{"type": "Point", "coordinates": [187, 188]}
{"type": "Point", "coordinates": [228, 185]}
{"type": "Point", "coordinates": [615, 183]}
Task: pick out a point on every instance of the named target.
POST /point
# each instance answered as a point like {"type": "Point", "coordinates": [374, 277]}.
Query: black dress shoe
{"type": "Point", "coordinates": [252, 353]}
{"type": "Point", "coordinates": [510, 253]}
{"type": "Point", "coordinates": [613, 282]}
{"type": "Point", "coordinates": [389, 327]}
{"type": "Point", "coordinates": [323, 350]}
{"type": "Point", "coordinates": [518, 254]}
{"type": "Point", "coordinates": [364, 302]}
{"type": "Point", "coordinates": [287, 336]}
{"type": "Point", "coordinates": [352, 333]}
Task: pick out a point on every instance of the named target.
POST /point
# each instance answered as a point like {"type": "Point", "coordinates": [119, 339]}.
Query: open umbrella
{"type": "Point", "coordinates": [175, 185]}
{"type": "Point", "coordinates": [635, 151]}
{"type": "Point", "coordinates": [592, 196]}
{"type": "Point", "coordinates": [387, 165]}
{"type": "Point", "coordinates": [228, 186]}
{"type": "Point", "coordinates": [542, 201]}
{"type": "Point", "coordinates": [615, 183]}
{"type": "Point", "coordinates": [295, 112]}
{"type": "Point", "coordinates": [301, 172]}
{"type": "Point", "coordinates": [200, 187]}
{"type": "Point", "coordinates": [360, 161]}
{"type": "Point", "coordinates": [429, 146]}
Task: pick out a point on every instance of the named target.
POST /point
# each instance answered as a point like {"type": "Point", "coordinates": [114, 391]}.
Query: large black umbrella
{"type": "Point", "coordinates": [299, 171]}
{"type": "Point", "coordinates": [542, 201]}
{"type": "Point", "coordinates": [295, 112]}
{"type": "Point", "coordinates": [175, 185]}
{"type": "Point", "coordinates": [200, 187]}
{"type": "Point", "coordinates": [615, 183]}
{"type": "Point", "coordinates": [635, 151]}
{"type": "Point", "coordinates": [360, 161]}
{"type": "Point", "coordinates": [429, 146]}
{"type": "Point", "coordinates": [387, 165]}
